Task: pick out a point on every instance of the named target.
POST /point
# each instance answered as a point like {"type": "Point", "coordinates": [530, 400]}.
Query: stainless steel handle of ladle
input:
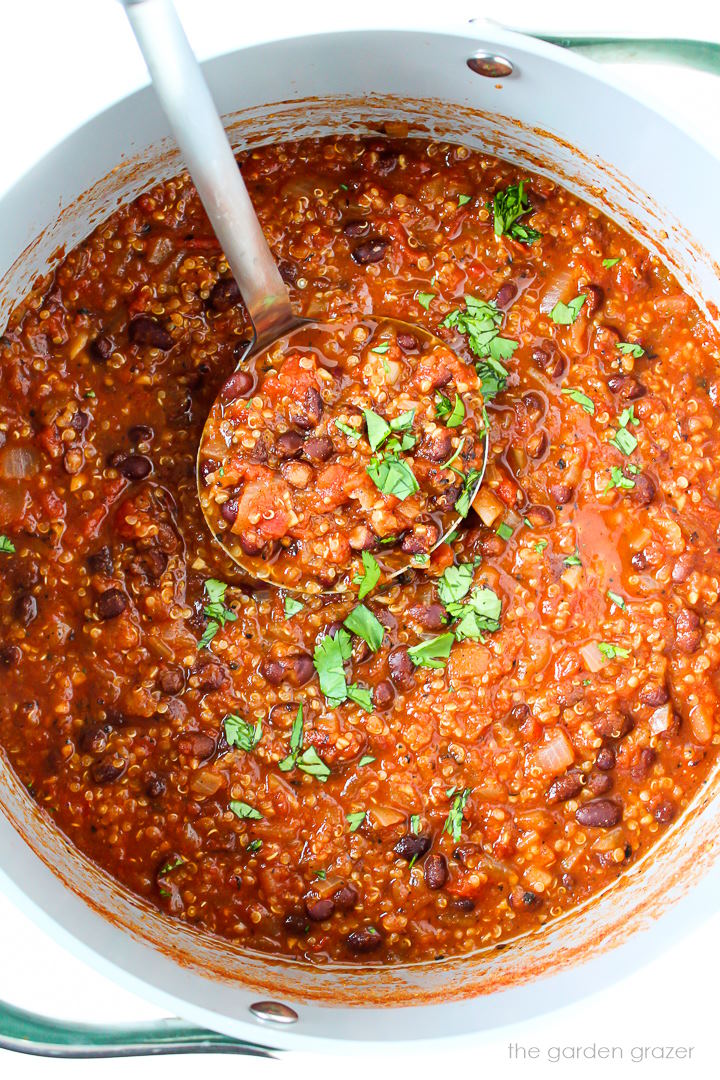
{"type": "Point", "coordinates": [198, 131]}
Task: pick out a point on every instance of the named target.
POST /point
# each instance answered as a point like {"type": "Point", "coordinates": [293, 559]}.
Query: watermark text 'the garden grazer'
{"type": "Point", "coordinates": [598, 1052]}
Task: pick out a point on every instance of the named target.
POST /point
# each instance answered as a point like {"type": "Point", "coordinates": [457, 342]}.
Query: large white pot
{"type": "Point", "coordinates": [556, 114]}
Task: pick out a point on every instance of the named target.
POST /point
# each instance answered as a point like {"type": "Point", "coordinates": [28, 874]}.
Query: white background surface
{"type": "Point", "coordinates": [62, 62]}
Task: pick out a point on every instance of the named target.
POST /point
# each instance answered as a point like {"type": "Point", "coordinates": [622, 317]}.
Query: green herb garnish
{"type": "Point", "coordinates": [479, 614]}
{"type": "Point", "coordinates": [215, 611]}
{"type": "Point", "coordinates": [6, 545]}
{"type": "Point", "coordinates": [244, 811]}
{"type": "Point", "coordinates": [625, 441]}
{"type": "Point", "coordinates": [616, 599]}
{"type": "Point", "coordinates": [356, 819]}
{"type": "Point", "coordinates": [292, 607]}
{"type": "Point", "coordinates": [540, 546]}
{"type": "Point", "coordinates": [393, 476]}
{"type": "Point", "coordinates": [463, 503]}
{"type": "Point", "coordinates": [242, 733]}
{"type": "Point", "coordinates": [455, 582]}
{"type": "Point", "coordinates": [463, 199]}
{"type": "Point", "coordinates": [612, 652]}
{"type": "Point", "coordinates": [432, 653]}
{"type": "Point", "coordinates": [254, 846]}
{"type": "Point", "coordinates": [382, 348]}
{"type": "Point", "coordinates": [329, 660]}
{"type": "Point", "coordinates": [619, 480]}
{"type": "Point", "coordinates": [580, 399]}
{"type": "Point", "coordinates": [566, 314]}
{"type": "Point", "coordinates": [504, 531]}
{"type": "Point", "coordinates": [296, 738]}
{"type": "Point", "coordinates": [629, 348]}
{"type": "Point", "coordinates": [365, 760]}
{"type": "Point", "coordinates": [454, 822]}
{"type": "Point", "coordinates": [444, 407]}
{"type": "Point", "coordinates": [361, 696]}
{"type": "Point", "coordinates": [481, 321]}
{"type": "Point", "coordinates": [508, 207]}
{"type": "Point", "coordinates": [347, 429]}
{"type": "Point", "coordinates": [425, 299]}
{"type": "Point", "coordinates": [370, 576]}
{"type": "Point", "coordinates": [609, 263]}
{"type": "Point", "coordinates": [572, 560]}
{"type": "Point", "coordinates": [362, 622]}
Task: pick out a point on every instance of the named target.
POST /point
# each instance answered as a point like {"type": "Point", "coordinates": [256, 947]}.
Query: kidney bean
{"type": "Point", "coordinates": [370, 251]}
{"type": "Point", "coordinates": [599, 814]}
{"type": "Point", "coordinates": [237, 386]}
{"type": "Point", "coordinates": [639, 560]}
{"type": "Point", "coordinates": [135, 467]}
{"type": "Point", "coordinates": [463, 904]}
{"type": "Point", "coordinates": [683, 567]}
{"type": "Point", "coordinates": [146, 331]}
{"type": "Point", "coordinates": [599, 783]}
{"type": "Point", "coordinates": [364, 941]}
{"type": "Point", "coordinates": [539, 515]}
{"type": "Point", "coordinates": [224, 294]}
{"type": "Point", "coordinates": [100, 562]}
{"type": "Point", "coordinates": [108, 769]}
{"type": "Point", "coordinates": [80, 421]}
{"type": "Point", "coordinates": [411, 847]}
{"type": "Point", "coordinates": [155, 787]}
{"type": "Point", "coordinates": [407, 342]}
{"type": "Point", "coordinates": [688, 631]}
{"type": "Point", "coordinates": [645, 761]}
{"type": "Point", "coordinates": [356, 228]}
{"type": "Point", "coordinates": [644, 491]}
{"type": "Point", "coordinates": [197, 744]}
{"type": "Point", "coordinates": [561, 493]}
{"type": "Point", "coordinates": [140, 433]}
{"type": "Point", "coordinates": [296, 669]}
{"type": "Point", "coordinates": [111, 603]}
{"type": "Point", "coordinates": [550, 361]}
{"type": "Point", "coordinates": [420, 539]}
{"type": "Point", "coordinates": [296, 923]}
{"type": "Point", "coordinates": [309, 414]}
{"type": "Point", "coordinates": [100, 348]}
{"type": "Point", "coordinates": [627, 387]}
{"type": "Point", "coordinates": [152, 564]}
{"type": "Point", "coordinates": [402, 669]}
{"type": "Point", "coordinates": [565, 787]}
{"type": "Point", "coordinates": [10, 655]}
{"type": "Point", "coordinates": [289, 444]}
{"type": "Point", "coordinates": [319, 449]}
{"type": "Point", "coordinates": [211, 677]}
{"type": "Point", "coordinates": [506, 294]}
{"type": "Point", "coordinates": [259, 452]}
{"type": "Point", "coordinates": [386, 162]}
{"type": "Point", "coordinates": [435, 871]}
{"type": "Point", "coordinates": [654, 695]}
{"type": "Point", "coordinates": [448, 497]}
{"type": "Point", "coordinates": [171, 679]}
{"type": "Point", "coordinates": [94, 738]}
{"type": "Point", "coordinates": [612, 724]}
{"type": "Point", "coordinates": [430, 616]}
{"type": "Point", "coordinates": [605, 759]}
{"type": "Point", "coordinates": [345, 898]}
{"type": "Point", "coordinates": [289, 271]}
{"type": "Point", "coordinates": [383, 695]}
{"type": "Point", "coordinates": [319, 910]}
{"type": "Point", "coordinates": [664, 811]}
{"type": "Point", "coordinates": [595, 297]}
{"type": "Point", "coordinates": [537, 445]}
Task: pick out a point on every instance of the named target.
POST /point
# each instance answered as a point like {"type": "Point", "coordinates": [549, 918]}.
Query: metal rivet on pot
{"type": "Point", "coordinates": [274, 1012]}
{"type": "Point", "coordinates": [490, 65]}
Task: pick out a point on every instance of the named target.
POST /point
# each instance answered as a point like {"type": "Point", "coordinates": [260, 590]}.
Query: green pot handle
{"type": "Point", "coordinates": [28, 1033]}
{"type": "Point", "coordinates": [702, 55]}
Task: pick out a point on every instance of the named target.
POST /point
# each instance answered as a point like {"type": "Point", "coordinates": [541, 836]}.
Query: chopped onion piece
{"type": "Point", "coordinates": [556, 754]}
{"type": "Point", "coordinates": [592, 656]}
{"type": "Point", "coordinates": [661, 719]}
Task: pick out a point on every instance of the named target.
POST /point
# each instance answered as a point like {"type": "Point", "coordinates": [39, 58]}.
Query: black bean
{"type": "Point", "coordinates": [100, 348]}
{"type": "Point", "coordinates": [644, 491]}
{"type": "Point", "coordinates": [224, 294]}
{"type": "Point", "coordinates": [111, 603]}
{"type": "Point", "coordinates": [289, 271]}
{"type": "Point", "coordinates": [593, 303]}
{"type": "Point", "coordinates": [370, 251]}
{"type": "Point", "coordinates": [108, 769]}
{"type": "Point", "coordinates": [229, 511]}
{"type": "Point", "coordinates": [402, 669]}
{"type": "Point", "coordinates": [463, 904]}
{"type": "Point", "coordinates": [605, 759]}
{"type": "Point", "coordinates": [430, 616]}
{"type": "Point", "coordinates": [237, 386]}
{"type": "Point", "coordinates": [115, 458]}
{"type": "Point", "coordinates": [655, 696]}
{"type": "Point", "coordinates": [612, 724]}
{"type": "Point", "coordinates": [296, 670]}
{"type": "Point", "coordinates": [211, 677]}
{"type": "Point", "coordinates": [319, 910]}
{"type": "Point", "coordinates": [599, 814]}
{"type": "Point", "coordinates": [296, 922]}
{"type": "Point", "coordinates": [94, 738]}
{"type": "Point", "coordinates": [10, 655]}
{"type": "Point", "coordinates": [664, 811]}
{"type": "Point", "coordinates": [135, 467]}
{"type": "Point", "coordinates": [436, 446]}
{"type": "Point", "coordinates": [435, 871]}
{"type": "Point", "coordinates": [171, 679]}
{"type": "Point", "coordinates": [250, 542]}
{"type": "Point", "coordinates": [386, 162]}
{"type": "Point", "coordinates": [599, 783]}
{"type": "Point", "coordinates": [144, 330]}
{"type": "Point", "coordinates": [356, 228]}
{"type": "Point", "coordinates": [411, 847]}
{"type": "Point", "coordinates": [319, 449]}
{"type": "Point", "coordinates": [140, 433]}
{"type": "Point", "coordinates": [101, 562]}
{"type": "Point", "coordinates": [197, 744]}
{"type": "Point", "coordinates": [80, 421]}
{"type": "Point", "coordinates": [25, 609]}
{"type": "Point", "coordinates": [506, 294]}
{"type": "Point", "coordinates": [407, 342]}
{"type": "Point", "coordinates": [364, 941]}
{"type": "Point", "coordinates": [155, 787]}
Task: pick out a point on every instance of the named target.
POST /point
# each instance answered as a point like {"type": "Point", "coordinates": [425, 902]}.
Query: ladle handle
{"type": "Point", "coordinates": [198, 131]}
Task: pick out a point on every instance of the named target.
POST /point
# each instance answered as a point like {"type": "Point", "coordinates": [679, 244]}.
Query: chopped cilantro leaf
{"type": "Point", "coordinates": [566, 314]}
{"type": "Point", "coordinates": [392, 476]}
{"type": "Point", "coordinates": [310, 762]}
{"type": "Point", "coordinates": [242, 733]}
{"type": "Point", "coordinates": [627, 416]}
{"type": "Point", "coordinates": [504, 531]}
{"type": "Point", "coordinates": [463, 503]}
{"type": "Point", "coordinates": [296, 739]}
{"type": "Point", "coordinates": [540, 546]}
{"type": "Point", "coordinates": [453, 457]}
{"type": "Point", "coordinates": [329, 659]}
{"type": "Point", "coordinates": [609, 263]}
{"type": "Point", "coordinates": [619, 480]}
{"type": "Point", "coordinates": [415, 824]}
{"type": "Point", "coordinates": [625, 441]}
{"type": "Point", "coordinates": [478, 615]}
{"type": "Point", "coordinates": [292, 607]}
{"type": "Point", "coordinates": [612, 652]}
{"type": "Point", "coordinates": [493, 378]}
{"type": "Point", "coordinates": [629, 348]}
{"type": "Point", "coordinates": [580, 399]}
{"type": "Point", "coordinates": [455, 582]}
{"type": "Point", "coordinates": [208, 634]}
{"type": "Point", "coordinates": [425, 299]}
{"type": "Point", "coordinates": [378, 428]}
{"type": "Point", "coordinates": [463, 199]}
{"type": "Point", "coordinates": [254, 846]}
{"type": "Point", "coordinates": [6, 545]}
{"type": "Point", "coordinates": [432, 653]}
{"type": "Point", "coordinates": [362, 622]}
{"type": "Point", "coordinates": [370, 576]}
{"type": "Point", "coordinates": [616, 599]}
{"type": "Point", "coordinates": [382, 348]}
{"type": "Point", "coordinates": [244, 811]}
{"type": "Point", "coordinates": [454, 822]}
{"type": "Point", "coordinates": [573, 560]}
{"type": "Point", "coordinates": [347, 429]}
{"type": "Point", "coordinates": [481, 321]}
{"type": "Point", "coordinates": [356, 819]}
{"type": "Point", "coordinates": [508, 206]}
{"type": "Point", "coordinates": [365, 760]}
{"type": "Point", "coordinates": [361, 696]}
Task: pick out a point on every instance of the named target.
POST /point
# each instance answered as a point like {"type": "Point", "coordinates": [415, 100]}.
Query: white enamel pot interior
{"type": "Point", "coordinates": [555, 114]}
